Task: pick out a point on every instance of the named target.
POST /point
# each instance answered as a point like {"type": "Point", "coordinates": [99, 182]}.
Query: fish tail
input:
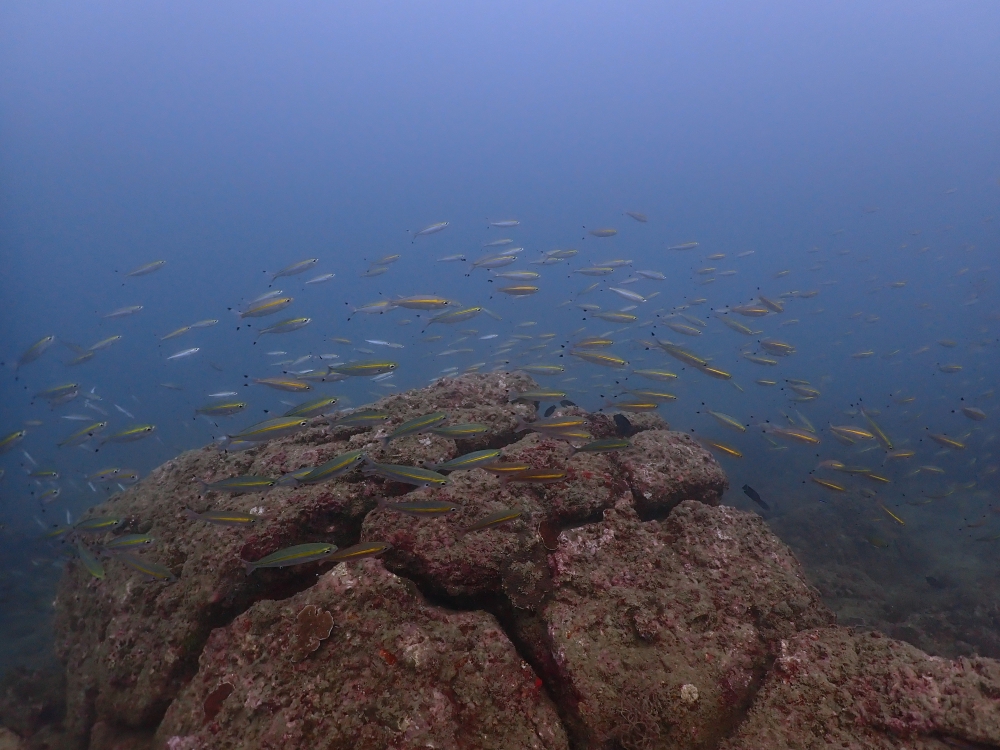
{"type": "Point", "coordinates": [250, 567]}
{"type": "Point", "coordinates": [191, 515]}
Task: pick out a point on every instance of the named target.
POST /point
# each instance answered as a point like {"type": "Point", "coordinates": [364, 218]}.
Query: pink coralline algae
{"type": "Point", "coordinates": [623, 609]}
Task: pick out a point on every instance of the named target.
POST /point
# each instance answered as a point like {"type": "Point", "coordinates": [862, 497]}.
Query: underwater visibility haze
{"type": "Point", "coordinates": [775, 226]}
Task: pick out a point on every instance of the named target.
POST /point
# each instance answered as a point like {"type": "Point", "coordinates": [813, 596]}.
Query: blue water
{"type": "Point", "coordinates": [850, 145]}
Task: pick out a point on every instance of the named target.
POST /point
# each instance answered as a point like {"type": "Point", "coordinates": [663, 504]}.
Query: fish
{"type": "Point", "coordinates": [460, 431]}
{"type": "Point", "coordinates": [149, 570]}
{"type": "Point", "coordinates": [147, 268]}
{"type": "Point", "coordinates": [684, 246]}
{"type": "Point", "coordinates": [415, 426]}
{"type": "Point", "coordinates": [505, 223]}
{"type": "Point", "coordinates": [362, 418]}
{"type": "Point", "coordinates": [451, 317]}
{"type": "Point", "coordinates": [660, 375]}
{"type": "Point", "coordinates": [285, 326]}
{"type": "Point", "coordinates": [130, 434]}
{"type": "Point", "coordinates": [518, 290]}
{"type": "Point", "coordinates": [502, 516]}
{"type": "Point", "coordinates": [102, 344]}
{"type": "Point", "coordinates": [753, 495]}
{"type": "Point", "coordinates": [422, 302]}
{"type": "Point", "coordinates": [604, 445]}
{"type": "Point", "coordinates": [9, 441]}
{"type": "Point", "coordinates": [127, 542]}
{"type": "Point", "coordinates": [123, 312]}
{"type": "Point", "coordinates": [90, 562]}
{"type": "Point", "coordinates": [892, 515]}
{"type": "Point", "coordinates": [729, 422]}
{"type": "Point", "coordinates": [794, 434]}
{"type": "Point", "coordinates": [431, 229]}
{"type": "Point", "coordinates": [205, 323]}
{"type": "Point", "coordinates": [517, 275]}
{"type": "Point", "coordinates": [599, 358]}
{"type": "Point", "coordinates": [828, 484]}
{"type": "Point", "coordinates": [270, 429]}
{"type": "Point", "coordinates": [225, 409]}
{"type": "Point", "coordinates": [295, 268]}
{"type": "Point", "coordinates": [973, 413]}
{"type": "Point", "coordinates": [723, 448]}
{"type": "Point", "coordinates": [184, 353]}
{"type": "Point", "coordinates": [266, 307]}
{"type": "Point", "coordinates": [365, 368]}
{"type": "Point", "coordinates": [541, 395]}
{"type": "Point", "coordinates": [98, 524]}
{"type": "Point", "coordinates": [877, 431]}
{"type": "Point", "coordinates": [79, 437]}
{"type": "Point", "coordinates": [851, 433]}
{"type": "Point", "coordinates": [174, 334]}
{"type": "Point", "coordinates": [653, 275]}
{"type": "Point", "coordinates": [640, 217]}
{"type": "Point", "coordinates": [404, 474]}
{"type": "Point", "coordinates": [223, 517]}
{"type": "Point", "coordinates": [298, 554]}
{"type": "Point", "coordinates": [946, 441]}
{"type": "Point", "coordinates": [596, 271]}
{"type": "Point", "coordinates": [603, 232]}
{"type": "Point", "coordinates": [542, 369]}
{"type": "Point", "coordinates": [419, 508]}
{"type": "Point", "coordinates": [292, 385]}
{"type": "Point", "coordinates": [468, 461]}
{"type": "Point", "coordinates": [359, 551]}
{"type": "Point", "coordinates": [321, 279]}
{"type": "Point", "coordinates": [316, 407]}
{"type": "Point", "coordinates": [627, 294]}
{"type": "Point", "coordinates": [536, 476]}
{"type": "Point", "coordinates": [240, 485]}
{"type": "Point", "coordinates": [335, 467]}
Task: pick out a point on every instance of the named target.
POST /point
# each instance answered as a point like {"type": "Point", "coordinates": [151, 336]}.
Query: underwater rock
{"type": "Point", "coordinates": [833, 687]}
{"type": "Point", "coordinates": [658, 633]}
{"type": "Point", "coordinates": [665, 468]}
{"type": "Point", "coordinates": [396, 672]}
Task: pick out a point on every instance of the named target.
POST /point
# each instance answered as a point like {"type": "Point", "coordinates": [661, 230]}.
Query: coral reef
{"type": "Point", "coordinates": [622, 609]}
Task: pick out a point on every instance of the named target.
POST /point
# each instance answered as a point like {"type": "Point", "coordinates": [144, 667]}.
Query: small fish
{"type": "Point", "coordinates": [723, 448]}
{"type": "Point", "coordinates": [147, 268]}
{"type": "Point", "coordinates": [460, 431]}
{"type": "Point", "coordinates": [419, 508]}
{"type": "Point", "coordinates": [240, 485]}
{"type": "Point", "coordinates": [536, 476]}
{"type": "Point", "coordinates": [642, 218]}
{"type": "Point", "coordinates": [174, 334]}
{"type": "Point", "coordinates": [753, 495]}
{"type": "Point", "coordinates": [684, 246]}
{"type": "Point", "coordinates": [285, 326]}
{"type": "Point", "coordinates": [123, 312]}
{"type": "Point", "coordinates": [892, 515]}
{"type": "Point", "coordinates": [223, 517]}
{"type": "Point", "coordinates": [224, 409]}
{"type": "Point", "coordinates": [101, 345]}
{"type": "Point", "coordinates": [604, 445]}
{"type": "Point", "coordinates": [454, 258]}
{"type": "Point", "coordinates": [518, 290]}
{"type": "Point", "coordinates": [455, 316]}
{"type": "Point", "coordinates": [184, 353]}
{"type": "Point", "coordinates": [415, 426]}
{"type": "Point", "coordinates": [431, 229]}
{"type": "Point", "coordinates": [90, 563]}
{"type": "Point", "coordinates": [946, 441]}
{"type": "Point", "coordinates": [598, 358]}
{"type": "Point", "coordinates": [205, 323]}
{"type": "Point", "coordinates": [292, 385]}
{"type": "Point", "coordinates": [266, 307]}
{"type": "Point", "coordinates": [316, 407]}
{"type": "Point", "coordinates": [362, 369]}
{"type": "Point", "coordinates": [299, 554]}
{"type": "Point", "coordinates": [422, 302]}
{"type": "Point", "coordinates": [77, 438]}
{"type": "Point", "coordinates": [130, 434]}
{"type": "Point", "coordinates": [335, 467]}
{"type": "Point", "coordinates": [296, 268]}
{"type": "Point", "coordinates": [321, 279]}
{"type": "Point", "coordinates": [973, 413]}
{"type": "Point", "coordinates": [270, 429]}
{"type": "Point", "coordinates": [405, 474]}
{"type": "Point", "coordinates": [505, 223]}
{"type": "Point", "coordinates": [528, 396]}
{"type": "Point", "coordinates": [729, 422]}
{"type": "Point", "coordinates": [98, 524]}
{"type": "Point", "coordinates": [603, 232]}
{"type": "Point", "coordinates": [505, 515]}
{"type": "Point", "coordinates": [543, 369]}
{"type": "Point", "coordinates": [829, 485]}
{"type": "Point", "coordinates": [468, 461]}
{"type": "Point", "coordinates": [360, 550]}
{"type": "Point", "coordinates": [127, 542]}
{"type": "Point", "coordinates": [9, 441]}
{"type": "Point", "coordinates": [361, 418]}
{"type": "Point", "coordinates": [150, 570]}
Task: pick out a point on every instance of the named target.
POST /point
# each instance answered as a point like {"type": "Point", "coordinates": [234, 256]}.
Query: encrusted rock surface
{"type": "Point", "coordinates": [395, 673]}
{"type": "Point", "coordinates": [624, 609]}
{"type": "Point", "coordinates": [657, 634]}
{"type": "Point", "coordinates": [834, 688]}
